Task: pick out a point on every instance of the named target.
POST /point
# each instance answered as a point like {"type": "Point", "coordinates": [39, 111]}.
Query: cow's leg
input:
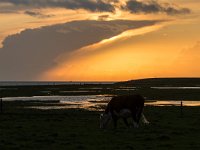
{"type": "Point", "coordinates": [126, 122]}
{"type": "Point", "coordinates": [115, 118]}
{"type": "Point", "coordinates": [139, 111]}
{"type": "Point", "coordinates": [115, 122]}
{"type": "Point", "coordinates": [136, 115]}
{"type": "Point", "coordinates": [135, 123]}
{"type": "Point", "coordinates": [109, 119]}
{"type": "Point", "coordinates": [144, 119]}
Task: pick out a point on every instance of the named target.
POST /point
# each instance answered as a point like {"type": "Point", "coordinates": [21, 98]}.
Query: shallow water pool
{"type": "Point", "coordinates": [90, 102]}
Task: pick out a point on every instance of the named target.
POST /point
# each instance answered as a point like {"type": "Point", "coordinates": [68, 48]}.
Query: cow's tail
{"type": "Point", "coordinates": [139, 111]}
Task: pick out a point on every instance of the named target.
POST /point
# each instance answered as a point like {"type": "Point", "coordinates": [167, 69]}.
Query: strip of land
{"type": "Point", "coordinates": [152, 89]}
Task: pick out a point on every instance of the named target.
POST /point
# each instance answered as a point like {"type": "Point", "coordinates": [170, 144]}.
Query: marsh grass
{"type": "Point", "coordinates": [22, 128]}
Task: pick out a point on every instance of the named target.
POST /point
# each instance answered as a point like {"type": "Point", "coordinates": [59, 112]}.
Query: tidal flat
{"type": "Point", "coordinates": [22, 128]}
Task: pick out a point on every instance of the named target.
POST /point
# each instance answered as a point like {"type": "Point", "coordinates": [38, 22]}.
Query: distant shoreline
{"type": "Point", "coordinates": [37, 83]}
{"type": "Point", "coordinates": [163, 81]}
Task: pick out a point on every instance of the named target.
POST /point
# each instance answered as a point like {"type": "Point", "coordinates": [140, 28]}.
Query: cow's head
{"type": "Point", "coordinates": [104, 120]}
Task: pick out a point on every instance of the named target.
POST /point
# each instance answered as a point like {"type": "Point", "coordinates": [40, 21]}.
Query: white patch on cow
{"type": "Point", "coordinates": [105, 119]}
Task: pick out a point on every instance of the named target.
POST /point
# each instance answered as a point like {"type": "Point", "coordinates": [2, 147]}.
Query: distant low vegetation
{"type": "Point", "coordinates": [163, 82]}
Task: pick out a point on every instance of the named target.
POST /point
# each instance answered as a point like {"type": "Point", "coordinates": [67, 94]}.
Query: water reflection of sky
{"type": "Point", "coordinates": [195, 87]}
{"type": "Point", "coordinates": [89, 102]}
{"type": "Point", "coordinates": [173, 103]}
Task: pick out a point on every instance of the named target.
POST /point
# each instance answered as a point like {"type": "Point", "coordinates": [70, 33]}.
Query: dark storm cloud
{"type": "Point", "coordinates": [91, 5]}
{"type": "Point", "coordinates": [36, 14]}
{"type": "Point", "coordinates": [33, 51]}
{"type": "Point", "coordinates": [103, 17]}
{"type": "Point", "coordinates": [152, 6]}
{"type": "Point", "coordinates": [134, 6]}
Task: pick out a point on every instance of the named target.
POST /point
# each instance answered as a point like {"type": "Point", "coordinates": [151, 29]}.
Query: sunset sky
{"type": "Point", "coordinates": [98, 40]}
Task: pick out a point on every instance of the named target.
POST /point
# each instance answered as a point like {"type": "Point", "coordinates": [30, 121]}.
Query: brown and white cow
{"type": "Point", "coordinates": [124, 107]}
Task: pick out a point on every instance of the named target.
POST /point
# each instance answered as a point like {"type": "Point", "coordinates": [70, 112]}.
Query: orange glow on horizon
{"type": "Point", "coordinates": [99, 62]}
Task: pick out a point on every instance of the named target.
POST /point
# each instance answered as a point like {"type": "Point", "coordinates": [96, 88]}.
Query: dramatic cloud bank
{"type": "Point", "coordinates": [134, 6]}
{"type": "Point", "coordinates": [152, 6]}
{"type": "Point", "coordinates": [91, 5]}
{"type": "Point", "coordinates": [28, 54]}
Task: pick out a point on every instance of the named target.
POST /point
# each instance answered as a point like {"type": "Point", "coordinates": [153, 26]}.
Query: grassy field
{"type": "Point", "coordinates": [22, 128]}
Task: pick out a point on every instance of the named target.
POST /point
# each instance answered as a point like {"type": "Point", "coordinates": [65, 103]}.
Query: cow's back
{"type": "Point", "coordinates": [130, 102]}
